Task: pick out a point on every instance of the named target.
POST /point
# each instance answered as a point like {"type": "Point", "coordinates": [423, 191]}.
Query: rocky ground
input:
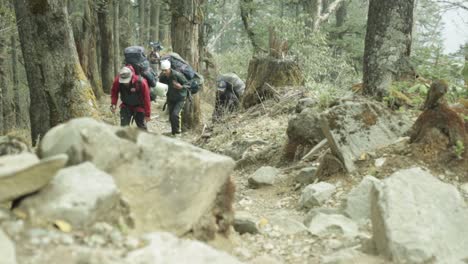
{"type": "Point", "coordinates": [284, 211]}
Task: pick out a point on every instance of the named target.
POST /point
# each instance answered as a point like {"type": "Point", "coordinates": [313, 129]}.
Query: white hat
{"type": "Point", "coordinates": [165, 64]}
{"type": "Point", "coordinates": [125, 75]}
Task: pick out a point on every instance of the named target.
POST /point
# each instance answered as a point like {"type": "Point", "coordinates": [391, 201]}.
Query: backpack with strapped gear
{"type": "Point", "coordinates": [177, 63]}
{"type": "Point", "coordinates": [135, 56]}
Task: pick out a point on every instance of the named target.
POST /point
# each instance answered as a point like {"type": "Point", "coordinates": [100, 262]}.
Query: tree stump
{"type": "Point", "coordinates": [271, 71]}
{"type": "Point", "coordinates": [437, 114]}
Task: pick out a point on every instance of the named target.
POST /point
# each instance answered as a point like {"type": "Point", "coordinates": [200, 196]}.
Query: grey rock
{"type": "Point", "coordinates": [416, 218]}
{"type": "Point", "coordinates": [306, 175]}
{"type": "Point", "coordinates": [7, 249]}
{"type": "Point", "coordinates": [23, 174]}
{"type": "Point", "coordinates": [13, 228]}
{"type": "Point", "coordinates": [80, 195]}
{"type": "Point", "coordinates": [264, 259]}
{"type": "Point", "coordinates": [264, 176]}
{"type": "Point", "coordinates": [160, 177]}
{"type": "Point", "coordinates": [319, 210]}
{"type": "Point", "coordinates": [357, 127]}
{"type": "Point", "coordinates": [237, 149]}
{"type": "Point", "coordinates": [166, 248]}
{"type": "Point", "coordinates": [245, 223]}
{"type": "Point", "coordinates": [324, 225]}
{"type": "Point", "coordinates": [304, 103]}
{"type": "Point", "coordinates": [316, 194]}
{"type": "Point", "coordinates": [286, 225]}
{"type": "Point", "coordinates": [464, 189]}
{"type": "Point", "coordinates": [358, 201]}
{"type": "Point", "coordinates": [380, 162]}
{"type": "Point", "coordinates": [350, 256]}
{"type": "Point", "coordinates": [305, 128]}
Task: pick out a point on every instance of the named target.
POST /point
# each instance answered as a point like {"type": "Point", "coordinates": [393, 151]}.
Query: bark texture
{"type": "Point", "coordinates": [106, 47]}
{"type": "Point", "coordinates": [59, 89]}
{"type": "Point", "coordinates": [187, 18]}
{"type": "Point", "coordinates": [387, 45]}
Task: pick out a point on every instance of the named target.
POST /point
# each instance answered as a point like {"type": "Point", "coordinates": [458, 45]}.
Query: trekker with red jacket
{"type": "Point", "coordinates": [135, 97]}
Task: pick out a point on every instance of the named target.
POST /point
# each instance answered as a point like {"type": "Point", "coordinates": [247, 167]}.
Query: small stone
{"type": "Point", "coordinates": [245, 223]}
{"type": "Point", "coordinates": [380, 162]}
{"type": "Point", "coordinates": [263, 177]}
{"type": "Point", "coordinates": [132, 243]}
{"type": "Point", "coordinates": [306, 175]}
{"type": "Point", "coordinates": [13, 228]}
{"type": "Point", "coordinates": [316, 194]}
{"type": "Point", "coordinates": [67, 239]}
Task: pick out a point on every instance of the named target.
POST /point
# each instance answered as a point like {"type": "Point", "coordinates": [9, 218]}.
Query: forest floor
{"type": "Point", "coordinates": [275, 209]}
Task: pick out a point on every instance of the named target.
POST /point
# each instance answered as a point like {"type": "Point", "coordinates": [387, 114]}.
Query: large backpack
{"type": "Point", "coordinates": [135, 56]}
{"type": "Point", "coordinates": [177, 63]}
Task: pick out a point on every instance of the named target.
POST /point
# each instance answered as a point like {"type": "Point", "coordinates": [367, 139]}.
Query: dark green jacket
{"type": "Point", "coordinates": [172, 93]}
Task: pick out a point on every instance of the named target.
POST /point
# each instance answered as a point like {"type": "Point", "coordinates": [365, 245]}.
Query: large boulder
{"type": "Point", "coordinates": [305, 128]}
{"type": "Point", "coordinates": [166, 248]}
{"type": "Point", "coordinates": [416, 218]}
{"type": "Point", "coordinates": [169, 185]}
{"type": "Point", "coordinates": [358, 201]}
{"type": "Point", "coordinates": [7, 249]}
{"type": "Point", "coordinates": [356, 127]}
{"type": "Point", "coordinates": [24, 173]}
{"type": "Point", "coordinates": [80, 195]}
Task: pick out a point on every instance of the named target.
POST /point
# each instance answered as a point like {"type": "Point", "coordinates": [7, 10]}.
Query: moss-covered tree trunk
{"type": "Point", "coordinates": [155, 11]}
{"type": "Point", "coordinates": [59, 89]}
{"type": "Point", "coordinates": [85, 32]}
{"type": "Point", "coordinates": [125, 38]}
{"type": "Point", "coordinates": [187, 17]}
{"type": "Point", "coordinates": [106, 44]}
{"type": "Point", "coordinates": [387, 45]}
{"type": "Point", "coordinates": [116, 28]}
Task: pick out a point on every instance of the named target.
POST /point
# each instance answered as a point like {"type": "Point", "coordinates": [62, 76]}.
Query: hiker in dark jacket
{"type": "Point", "coordinates": [135, 96]}
{"type": "Point", "coordinates": [228, 94]}
{"type": "Point", "coordinates": [176, 94]}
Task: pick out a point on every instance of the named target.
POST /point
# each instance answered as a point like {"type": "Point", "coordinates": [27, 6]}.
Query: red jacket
{"type": "Point", "coordinates": [144, 90]}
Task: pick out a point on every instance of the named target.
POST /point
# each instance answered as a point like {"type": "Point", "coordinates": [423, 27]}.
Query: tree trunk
{"type": "Point", "coordinates": [246, 8]}
{"type": "Point", "coordinates": [341, 14]}
{"type": "Point", "coordinates": [187, 17]}
{"type": "Point", "coordinates": [116, 25]}
{"type": "Point", "coordinates": [105, 32]}
{"type": "Point", "coordinates": [59, 89]}
{"type": "Point", "coordinates": [155, 8]}
{"type": "Point", "coordinates": [141, 20]}
{"type": "Point", "coordinates": [85, 31]}
{"type": "Point", "coordinates": [146, 19]}
{"type": "Point", "coordinates": [9, 120]}
{"type": "Point", "coordinates": [125, 30]}
{"type": "Point", "coordinates": [3, 83]}
{"type": "Point", "coordinates": [15, 84]}
{"type": "Point", "coordinates": [387, 45]}
{"type": "Point", "coordinates": [165, 18]}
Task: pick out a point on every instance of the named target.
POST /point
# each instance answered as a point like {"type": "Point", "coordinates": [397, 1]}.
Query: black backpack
{"type": "Point", "coordinates": [177, 63]}
{"type": "Point", "coordinates": [135, 56]}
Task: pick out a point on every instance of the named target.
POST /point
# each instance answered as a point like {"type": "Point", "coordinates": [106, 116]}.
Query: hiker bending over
{"type": "Point", "coordinates": [229, 91]}
{"type": "Point", "coordinates": [135, 97]}
{"type": "Point", "coordinates": [176, 94]}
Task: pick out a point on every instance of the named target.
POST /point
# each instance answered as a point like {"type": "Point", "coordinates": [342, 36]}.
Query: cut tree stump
{"type": "Point", "coordinates": [271, 71]}
{"type": "Point", "coordinates": [267, 74]}
{"type": "Point", "coordinates": [437, 114]}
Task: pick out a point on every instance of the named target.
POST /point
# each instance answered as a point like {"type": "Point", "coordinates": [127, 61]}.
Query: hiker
{"type": "Point", "coordinates": [135, 96]}
{"type": "Point", "coordinates": [228, 94]}
{"type": "Point", "coordinates": [135, 56]}
{"type": "Point", "coordinates": [176, 95]}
